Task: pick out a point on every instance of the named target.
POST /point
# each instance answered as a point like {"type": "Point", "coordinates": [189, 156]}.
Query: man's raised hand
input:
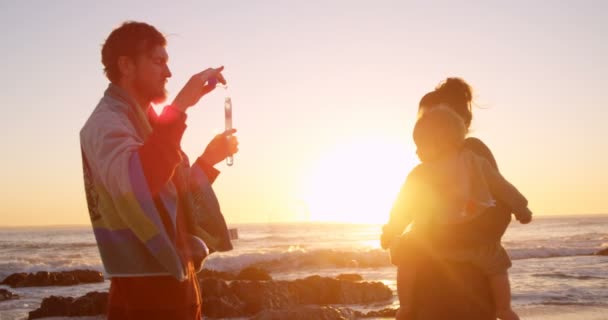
{"type": "Point", "coordinates": [199, 85]}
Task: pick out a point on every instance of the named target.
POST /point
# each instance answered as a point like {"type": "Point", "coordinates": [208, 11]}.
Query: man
{"type": "Point", "coordinates": [148, 206]}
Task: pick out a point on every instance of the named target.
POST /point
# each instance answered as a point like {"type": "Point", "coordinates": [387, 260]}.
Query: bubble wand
{"type": "Point", "coordinates": [227, 115]}
{"type": "Point", "coordinates": [228, 123]}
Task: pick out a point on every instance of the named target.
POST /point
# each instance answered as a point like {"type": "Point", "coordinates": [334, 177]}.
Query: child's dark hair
{"type": "Point", "coordinates": [130, 39]}
{"type": "Point", "coordinates": [438, 131]}
{"type": "Point", "coordinates": [454, 93]}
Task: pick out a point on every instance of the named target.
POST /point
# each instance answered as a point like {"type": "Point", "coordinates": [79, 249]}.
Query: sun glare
{"type": "Point", "coordinates": [357, 181]}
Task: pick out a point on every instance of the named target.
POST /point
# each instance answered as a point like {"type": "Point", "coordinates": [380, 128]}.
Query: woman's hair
{"type": "Point", "coordinates": [438, 131]}
{"type": "Point", "coordinates": [454, 93]}
{"type": "Point", "coordinates": [131, 39]}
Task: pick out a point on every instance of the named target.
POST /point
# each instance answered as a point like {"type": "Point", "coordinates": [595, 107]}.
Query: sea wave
{"type": "Point", "coordinates": [319, 259]}
{"type": "Point", "coordinates": [301, 259]}
{"type": "Point", "coordinates": [13, 245]}
{"type": "Point", "coordinates": [559, 275]}
{"type": "Point", "coordinates": [549, 252]}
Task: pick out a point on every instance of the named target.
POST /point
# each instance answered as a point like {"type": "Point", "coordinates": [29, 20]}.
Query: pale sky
{"type": "Point", "coordinates": [325, 96]}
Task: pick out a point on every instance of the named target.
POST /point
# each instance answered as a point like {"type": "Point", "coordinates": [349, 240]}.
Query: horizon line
{"type": "Point", "coordinates": [550, 215]}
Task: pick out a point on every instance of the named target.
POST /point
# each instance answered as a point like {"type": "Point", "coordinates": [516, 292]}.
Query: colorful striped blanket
{"type": "Point", "coordinates": [130, 234]}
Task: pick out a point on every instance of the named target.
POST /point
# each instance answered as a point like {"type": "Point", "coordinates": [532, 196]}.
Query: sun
{"type": "Point", "coordinates": [358, 180]}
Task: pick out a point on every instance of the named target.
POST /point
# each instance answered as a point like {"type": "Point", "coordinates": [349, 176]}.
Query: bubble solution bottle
{"type": "Point", "coordinates": [228, 123]}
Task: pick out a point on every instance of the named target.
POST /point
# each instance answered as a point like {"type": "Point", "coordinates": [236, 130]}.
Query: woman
{"type": "Point", "coordinates": [456, 94]}
{"type": "Point", "coordinates": [445, 288]}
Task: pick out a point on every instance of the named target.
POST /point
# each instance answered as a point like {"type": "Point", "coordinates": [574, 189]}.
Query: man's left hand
{"type": "Point", "coordinates": [223, 145]}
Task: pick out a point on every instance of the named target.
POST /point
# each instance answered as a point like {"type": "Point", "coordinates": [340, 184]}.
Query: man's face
{"type": "Point", "coordinates": [151, 73]}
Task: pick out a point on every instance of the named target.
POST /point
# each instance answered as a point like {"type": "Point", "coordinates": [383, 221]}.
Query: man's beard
{"type": "Point", "coordinates": [153, 95]}
{"type": "Point", "coordinates": [158, 99]}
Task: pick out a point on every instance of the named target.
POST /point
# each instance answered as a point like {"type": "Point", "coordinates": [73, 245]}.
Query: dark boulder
{"type": "Point", "coordinates": [208, 273]}
{"type": "Point", "coordinates": [349, 277]}
{"type": "Point", "coordinates": [91, 304]}
{"type": "Point", "coordinates": [45, 278]}
{"type": "Point", "coordinates": [602, 252]}
{"type": "Point", "coordinates": [247, 298]}
{"type": "Point", "coordinates": [218, 300]}
{"type": "Point", "coordinates": [261, 295]}
{"type": "Point", "coordinates": [320, 290]}
{"type": "Point", "coordinates": [7, 295]}
{"type": "Point", "coordinates": [384, 313]}
{"type": "Point", "coordinates": [253, 273]}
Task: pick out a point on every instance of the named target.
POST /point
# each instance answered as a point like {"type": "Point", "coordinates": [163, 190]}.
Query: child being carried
{"type": "Point", "coordinates": [452, 185]}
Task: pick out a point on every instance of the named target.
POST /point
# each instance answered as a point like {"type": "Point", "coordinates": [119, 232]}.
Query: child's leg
{"type": "Point", "coordinates": [406, 277]}
{"type": "Point", "coordinates": [501, 290]}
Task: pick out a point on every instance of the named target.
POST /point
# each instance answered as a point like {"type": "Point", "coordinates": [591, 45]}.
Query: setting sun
{"type": "Point", "coordinates": [358, 180]}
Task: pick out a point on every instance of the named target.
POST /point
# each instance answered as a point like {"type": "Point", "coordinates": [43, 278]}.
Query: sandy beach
{"type": "Point", "coordinates": [563, 313]}
{"type": "Point", "coordinates": [525, 313]}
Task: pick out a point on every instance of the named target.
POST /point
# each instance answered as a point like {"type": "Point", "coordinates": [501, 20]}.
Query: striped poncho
{"type": "Point", "coordinates": [126, 215]}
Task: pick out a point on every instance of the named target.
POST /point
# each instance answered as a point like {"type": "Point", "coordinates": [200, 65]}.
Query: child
{"type": "Point", "coordinates": [452, 185]}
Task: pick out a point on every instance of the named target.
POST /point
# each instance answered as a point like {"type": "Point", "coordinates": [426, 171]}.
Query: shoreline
{"type": "Point", "coordinates": [563, 312]}
{"type": "Point", "coordinates": [532, 312]}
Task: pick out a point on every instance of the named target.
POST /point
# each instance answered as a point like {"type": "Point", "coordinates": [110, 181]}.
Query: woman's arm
{"type": "Point", "coordinates": [487, 227]}
{"type": "Point", "coordinates": [480, 149]}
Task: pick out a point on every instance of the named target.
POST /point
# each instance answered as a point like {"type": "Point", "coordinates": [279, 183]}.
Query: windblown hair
{"type": "Point", "coordinates": [454, 93]}
{"type": "Point", "coordinates": [131, 39]}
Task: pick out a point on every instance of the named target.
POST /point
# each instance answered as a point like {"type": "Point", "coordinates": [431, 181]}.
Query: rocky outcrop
{"type": "Point", "coordinates": [244, 298]}
{"type": "Point", "coordinates": [45, 278]}
{"type": "Point", "coordinates": [93, 303]}
{"type": "Point", "coordinates": [253, 273]}
{"type": "Point", "coordinates": [384, 313]}
{"type": "Point", "coordinates": [218, 299]}
{"type": "Point", "coordinates": [208, 273]}
{"type": "Point", "coordinates": [251, 297]}
{"type": "Point", "coordinates": [7, 295]}
{"type": "Point", "coordinates": [319, 290]}
{"type": "Point", "coordinates": [262, 295]}
{"type": "Point", "coordinates": [349, 277]}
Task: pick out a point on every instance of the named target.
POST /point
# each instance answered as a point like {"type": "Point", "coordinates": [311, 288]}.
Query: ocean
{"type": "Point", "coordinates": [554, 269]}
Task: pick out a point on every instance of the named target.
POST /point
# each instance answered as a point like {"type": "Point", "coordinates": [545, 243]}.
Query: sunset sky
{"type": "Point", "coordinates": [325, 96]}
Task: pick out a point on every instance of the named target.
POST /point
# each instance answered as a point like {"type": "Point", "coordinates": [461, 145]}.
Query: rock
{"type": "Point", "coordinates": [349, 277]}
{"type": "Point", "coordinates": [14, 279]}
{"type": "Point", "coordinates": [243, 298]}
{"type": "Point", "coordinates": [88, 276]}
{"type": "Point", "coordinates": [208, 273]}
{"type": "Point", "coordinates": [261, 295]}
{"type": "Point", "coordinates": [52, 306]}
{"type": "Point", "coordinates": [218, 299]}
{"type": "Point", "coordinates": [214, 287]}
{"type": "Point", "coordinates": [93, 303]}
{"type": "Point", "coordinates": [61, 279]}
{"type": "Point", "coordinates": [602, 252]}
{"type": "Point", "coordinates": [224, 307]}
{"type": "Point", "coordinates": [384, 313]}
{"type": "Point", "coordinates": [45, 278]}
{"type": "Point", "coordinates": [306, 313]}
{"type": "Point", "coordinates": [319, 290]}
{"type": "Point", "coordinates": [253, 273]}
{"type": "Point", "coordinates": [247, 298]}
{"type": "Point", "coordinates": [7, 295]}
